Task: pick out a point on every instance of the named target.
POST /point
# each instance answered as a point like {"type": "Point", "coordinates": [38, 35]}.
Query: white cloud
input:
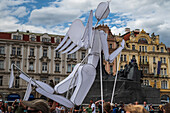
{"type": "Point", "coordinates": [152, 15]}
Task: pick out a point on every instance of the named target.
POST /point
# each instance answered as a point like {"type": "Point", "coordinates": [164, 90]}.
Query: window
{"type": "Point", "coordinates": [121, 68]}
{"type": "Point", "coordinates": [161, 71]}
{"type": "Point", "coordinates": [57, 41]}
{"type": "Point", "coordinates": [162, 49]}
{"type": "Point", "coordinates": [164, 60]}
{"type": "Point", "coordinates": [2, 50]}
{"type": "Point", "coordinates": [18, 51]}
{"type": "Point", "coordinates": [140, 48]}
{"type": "Point", "coordinates": [83, 55]}
{"type": "Point", "coordinates": [154, 70]}
{"type": "Point", "coordinates": [18, 64]}
{"type": "Point", "coordinates": [13, 50]}
{"type": "Point", "coordinates": [17, 82]}
{"type": "Point", "coordinates": [46, 40]}
{"type": "Point", "coordinates": [44, 52]}
{"type": "Point", "coordinates": [154, 60]}
{"type": "Point", "coordinates": [57, 54]}
{"type": "Point", "coordinates": [57, 67]}
{"type": "Point", "coordinates": [164, 84]}
{"type": "Point", "coordinates": [165, 73]}
{"type": "Point", "coordinates": [69, 68]}
{"type": "Point", "coordinates": [155, 83]}
{"type": "Point", "coordinates": [56, 80]}
{"type": "Point", "coordinates": [146, 82]}
{"type": "Point", "coordinates": [133, 57]}
{"type": "Point", "coordinates": [74, 55]}
{"type": "Point", "coordinates": [44, 66]}
{"type": "Point", "coordinates": [1, 80]}
{"type": "Point", "coordinates": [33, 38]}
{"type": "Point", "coordinates": [31, 51]}
{"type": "Point", "coordinates": [17, 37]}
{"type": "Point", "coordinates": [111, 69]}
{"type": "Point", "coordinates": [145, 48]}
{"type": "Point", "coordinates": [124, 57]}
{"type": "Point", "coordinates": [146, 59]}
{"type": "Point", "coordinates": [153, 48]}
{"type": "Point", "coordinates": [73, 65]}
{"type": "Point", "coordinates": [31, 66]}
{"type": "Point", "coordinates": [110, 45]}
{"type": "Point", "coordinates": [69, 56]}
{"type": "Point", "coordinates": [133, 47]}
{"type": "Point", "coordinates": [121, 58]}
{"type": "Point", "coordinates": [1, 64]}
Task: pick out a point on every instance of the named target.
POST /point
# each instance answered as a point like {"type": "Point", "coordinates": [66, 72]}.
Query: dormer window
{"type": "Point", "coordinates": [32, 38]}
{"type": "Point", "coordinates": [17, 36]}
{"type": "Point", "coordinates": [45, 38]}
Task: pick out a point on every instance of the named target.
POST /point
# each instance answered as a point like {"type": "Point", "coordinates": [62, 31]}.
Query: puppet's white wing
{"type": "Point", "coordinates": [77, 36]}
{"type": "Point", "coordinates": [73, 37]}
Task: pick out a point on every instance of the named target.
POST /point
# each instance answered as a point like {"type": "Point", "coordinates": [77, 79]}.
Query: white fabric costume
{"type": "Point", "coordinates": [83, 75]}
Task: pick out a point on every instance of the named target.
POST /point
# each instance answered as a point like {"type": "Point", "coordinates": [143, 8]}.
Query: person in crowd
{"type": "Point", "coordinates": [121, 108]}
{"type": "Point", "coordinates": [136, 103]}
{"type": "Point", "coordinates": [37, 106]}
{"type": "Point", "coordinates": [88, 109]}
{"type": "Point", "coordinates": [135, 109]}
{"type": "Point", "coordinates": [145, 106]}
{"type": "Point", "coordinates": [107, 107]}
{"type": "Point", "coordinates": [99, 106]}
{"type": "Point", "coordinates": [2, 109]}
{"type": "Point", "coordinates": [160, 109]}
{"type": "Point", "coordinates": [93, 106]}
{"type": "Point", "coordinates": [151, 110]}
{"type": "Point", "coordinates": [19, 107]}
{"type": "Point", "coordinates": [9, 110]}
{"type": "Point", "coordinates": [167, 108]}
{"type": "Point", "coordinates": [78, 109]}
{"type": "Point", "coordinates": [115, 108]}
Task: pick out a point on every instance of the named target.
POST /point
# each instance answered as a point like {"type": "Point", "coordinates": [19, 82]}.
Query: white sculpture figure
{"type": "Point", "coordinates": [83, 75]}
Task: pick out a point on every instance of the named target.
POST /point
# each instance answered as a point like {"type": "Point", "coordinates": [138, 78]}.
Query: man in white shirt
{"type": "Point", "coordinates": [93, 106]}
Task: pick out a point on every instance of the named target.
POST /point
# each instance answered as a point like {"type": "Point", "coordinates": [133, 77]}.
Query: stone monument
{"type": "Point", "coordinates": [129, 87]}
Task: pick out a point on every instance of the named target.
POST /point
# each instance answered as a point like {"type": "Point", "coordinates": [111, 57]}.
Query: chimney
{"type": "Point", "coordinates": [28, 31]}
{"type": "Point", "coordinates": [127, 30]}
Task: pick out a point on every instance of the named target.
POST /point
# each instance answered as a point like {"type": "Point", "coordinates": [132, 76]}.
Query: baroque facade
{"type": "Point", "coordinates": [151, 56]}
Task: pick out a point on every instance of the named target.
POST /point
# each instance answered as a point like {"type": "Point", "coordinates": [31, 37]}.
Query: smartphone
{"type": "Point", "coordinates": [18, 100]}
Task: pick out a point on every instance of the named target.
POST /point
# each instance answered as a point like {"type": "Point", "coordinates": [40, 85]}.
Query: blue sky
{"type": "Point", "coordinates": [55, 16]}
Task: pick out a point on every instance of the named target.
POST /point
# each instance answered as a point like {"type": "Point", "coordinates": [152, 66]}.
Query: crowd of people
{"type": "Point", "coordinates": [43, 106]}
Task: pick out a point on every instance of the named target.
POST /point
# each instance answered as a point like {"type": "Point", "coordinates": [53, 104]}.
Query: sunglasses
{"type": "Point", "coordinates": [32, 111]}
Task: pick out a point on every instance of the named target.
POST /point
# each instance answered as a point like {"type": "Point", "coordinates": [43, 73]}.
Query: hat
{"type": "Point", "coordinates": [38, 104]}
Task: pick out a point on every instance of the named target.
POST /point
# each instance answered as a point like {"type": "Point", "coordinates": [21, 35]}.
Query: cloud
{"type": "Point", "coordinates": [55, 17]}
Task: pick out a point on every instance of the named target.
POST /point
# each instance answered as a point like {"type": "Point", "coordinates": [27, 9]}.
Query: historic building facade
{"type": "Point", "coordinates": [35, 54]}
{"type": "Point", "coordinates": [152, 57]}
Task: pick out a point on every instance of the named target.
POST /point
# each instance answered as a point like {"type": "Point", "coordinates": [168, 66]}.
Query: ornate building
{"type": "Point", "coordinates": [152, 57]}
{"type": "Point", "coordinates": [35, 54]}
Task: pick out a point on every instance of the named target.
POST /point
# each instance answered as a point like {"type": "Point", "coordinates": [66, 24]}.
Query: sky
{"type": "Point", "coordinates": [55, 16]}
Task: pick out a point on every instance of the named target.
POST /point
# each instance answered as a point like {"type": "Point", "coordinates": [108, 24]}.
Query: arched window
{"type": "Point", "coordinates": [142, 41]}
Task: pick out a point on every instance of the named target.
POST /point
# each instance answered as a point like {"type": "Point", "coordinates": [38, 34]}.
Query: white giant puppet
{"type": "Point", "coordinates": [83, 74]}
